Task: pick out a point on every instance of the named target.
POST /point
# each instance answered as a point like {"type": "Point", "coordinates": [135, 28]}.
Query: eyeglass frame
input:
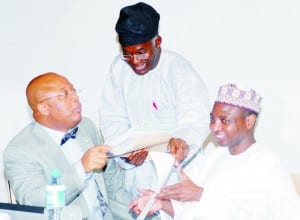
{"type": "Point", "coordinates": [140, 56]}
{"type": "Point", "coordinates": [66, 94]}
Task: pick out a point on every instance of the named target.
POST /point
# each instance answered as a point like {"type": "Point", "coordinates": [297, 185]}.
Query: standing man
{"type": "Point", "coordinates": [148, 85]}
{"type": "Point", "coordinates": [241, 179]}
{"type": "Point", "coordinates": [60, 138]}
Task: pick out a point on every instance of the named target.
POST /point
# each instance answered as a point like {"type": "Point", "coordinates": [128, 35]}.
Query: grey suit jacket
{"type": "Point", "coordinates": [32, 154]}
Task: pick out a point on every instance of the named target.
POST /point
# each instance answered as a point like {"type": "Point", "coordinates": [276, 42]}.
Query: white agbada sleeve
{"type": "Point", "coordinates": [112, 113]}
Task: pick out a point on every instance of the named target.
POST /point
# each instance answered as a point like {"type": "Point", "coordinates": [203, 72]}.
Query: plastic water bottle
{"type": "Point", "coordinates": [55, 196]}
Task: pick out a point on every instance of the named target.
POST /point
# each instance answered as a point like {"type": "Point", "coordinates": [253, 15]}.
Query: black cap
{"type": "Point", "coordinates": [137, 24]}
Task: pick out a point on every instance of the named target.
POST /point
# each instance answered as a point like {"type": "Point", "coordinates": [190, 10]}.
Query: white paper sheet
{"type": "Point", "coordinates": [164, 165]}
{"type": "Point", "coordinates": [140, 137]}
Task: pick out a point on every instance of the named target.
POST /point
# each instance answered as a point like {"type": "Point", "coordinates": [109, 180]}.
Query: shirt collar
{"type": "Point", "coordinates": [55, 134]}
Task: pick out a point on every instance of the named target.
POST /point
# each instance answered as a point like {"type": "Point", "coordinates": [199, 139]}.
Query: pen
{"type": "Point", "coordinates": [154, 105]}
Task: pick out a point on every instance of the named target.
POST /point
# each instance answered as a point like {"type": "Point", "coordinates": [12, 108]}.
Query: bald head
{"type": "Point", "coordinates": [54, 101]}
{"type": "Point", "coordinates": [39, 86]}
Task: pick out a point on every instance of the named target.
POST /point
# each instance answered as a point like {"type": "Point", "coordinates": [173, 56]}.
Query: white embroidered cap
{"type": "Point", "coordinates": [248, 99]}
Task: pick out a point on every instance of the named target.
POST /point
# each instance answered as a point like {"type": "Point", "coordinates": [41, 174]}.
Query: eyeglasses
{"type": "Point", "coordinates": [64, 95]}
{"type": "Point", "coordinates": [140, 56]}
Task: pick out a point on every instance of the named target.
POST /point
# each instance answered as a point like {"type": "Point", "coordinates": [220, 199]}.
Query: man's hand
{"type": "Point", "coordinates": [139, 204]}
{"type": "Point", "coordinates": [95, 158]}
{"type": "Point", "coordinates": [178, 148]}
{"type": "Point", "coordinates": [138, 157]}
{"type": "Point", "coordinates": [186, 190]}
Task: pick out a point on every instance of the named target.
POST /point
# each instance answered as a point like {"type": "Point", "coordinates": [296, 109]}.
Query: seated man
{"type": "Point", "coordinates": [92, 181]}
{"type": "Point", "coordinates": [241, 179]}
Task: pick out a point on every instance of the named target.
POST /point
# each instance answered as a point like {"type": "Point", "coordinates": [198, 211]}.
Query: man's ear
{"type": "Point", "coordinates": [43, 109]}
{"type": "Point", "coordinates": [157, 41]}
{"type": "Point", "coordinates": [250, 121]}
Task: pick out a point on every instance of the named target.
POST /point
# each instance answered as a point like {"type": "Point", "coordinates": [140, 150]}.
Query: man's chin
{"type": "Point", "coordinates": [141, 72]}
{"type": "Point", "coordinates": [222, 143]}
{"type": "Point", "coordinates": [77, 118]}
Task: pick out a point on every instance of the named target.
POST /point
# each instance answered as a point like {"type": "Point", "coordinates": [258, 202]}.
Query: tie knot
{"type": "Point", "coordinates": [70, 134]}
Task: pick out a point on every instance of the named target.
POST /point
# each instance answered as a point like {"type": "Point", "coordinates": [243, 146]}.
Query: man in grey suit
{"type": "Point", "coordinates": [92, 180]}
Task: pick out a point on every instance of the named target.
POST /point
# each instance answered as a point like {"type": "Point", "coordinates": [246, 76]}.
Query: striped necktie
{"type": "Point", "coordinates": [103, 205]}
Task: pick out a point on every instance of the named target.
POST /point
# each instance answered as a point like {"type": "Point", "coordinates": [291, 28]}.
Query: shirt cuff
{"type": "Point", "coordinates": [84, 176]}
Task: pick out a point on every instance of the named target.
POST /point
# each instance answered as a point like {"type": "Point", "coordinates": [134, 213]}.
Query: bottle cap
{"type": "Point", "coordinates": [55, 173]}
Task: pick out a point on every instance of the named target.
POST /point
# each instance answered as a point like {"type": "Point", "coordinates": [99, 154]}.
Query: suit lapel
{"type": "Point", "coordinates": [47, 144]}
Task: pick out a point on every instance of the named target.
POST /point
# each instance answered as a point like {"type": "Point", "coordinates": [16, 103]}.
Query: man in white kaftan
{"type": "Point", "coordinates": [178, 93]}
{"type": "Point", "coordinates": [151, 86]}
{"type": "Point", "coordinates": [239, 180]}
{"type": "Point", "coordinates": [251, 186]}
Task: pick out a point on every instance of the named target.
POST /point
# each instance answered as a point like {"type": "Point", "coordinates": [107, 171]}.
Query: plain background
{"type": "Point", "coordinates": [254, 44]}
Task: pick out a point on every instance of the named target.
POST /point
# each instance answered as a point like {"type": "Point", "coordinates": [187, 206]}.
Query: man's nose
{"type": "Point", "coordinates": [215, 126]}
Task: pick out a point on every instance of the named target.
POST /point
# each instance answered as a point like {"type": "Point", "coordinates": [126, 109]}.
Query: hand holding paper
{"type": "Point", "coordinates": [137, 157]}
{"type": "Point", "coordinates": [164, 165]}
{"type": "Point", "coordinates": [178, 148]}
{"type": "Point", "coordinates": [139, 138]}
